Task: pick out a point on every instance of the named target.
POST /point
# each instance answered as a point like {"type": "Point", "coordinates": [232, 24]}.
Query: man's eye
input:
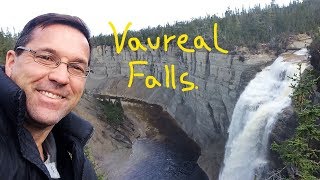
{"type": "Point", "coordinates": [77, 68]}
{"type": "Point", "coordinates": [45, 57]}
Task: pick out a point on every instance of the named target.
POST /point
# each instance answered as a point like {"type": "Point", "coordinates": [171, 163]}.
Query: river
{"type": "Point", "coordinates": [162, 152]}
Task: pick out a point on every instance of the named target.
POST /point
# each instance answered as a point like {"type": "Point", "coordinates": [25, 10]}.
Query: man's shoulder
{"type": "Point", "coordinates": [5, 127]}
{"type": "Point", "coordinates": [12, 100]}
{"type": "Point", "coordinates": [9, 153]}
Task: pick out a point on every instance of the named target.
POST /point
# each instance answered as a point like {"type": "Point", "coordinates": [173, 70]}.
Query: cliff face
{"type": "Point", "coordinates": [203, 113]}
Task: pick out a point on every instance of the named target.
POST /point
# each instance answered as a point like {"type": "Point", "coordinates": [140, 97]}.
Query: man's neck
{"type": "Point", "coordinates": [39, 135]}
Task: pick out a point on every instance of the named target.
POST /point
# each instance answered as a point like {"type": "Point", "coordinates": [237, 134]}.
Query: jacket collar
{"type": "Point", "coordinates": [74, 127]}
{"type": "Point", "coordinates": [13, 101]}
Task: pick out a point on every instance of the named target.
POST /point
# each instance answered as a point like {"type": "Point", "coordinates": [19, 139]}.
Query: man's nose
{"type": "Point", "coordinates": [60, 74]}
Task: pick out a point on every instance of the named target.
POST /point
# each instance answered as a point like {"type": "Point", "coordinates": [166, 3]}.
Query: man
{"type": "Point", "coordinates": [42, 81]}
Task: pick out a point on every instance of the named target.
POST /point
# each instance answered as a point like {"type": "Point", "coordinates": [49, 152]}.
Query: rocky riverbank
{"type": "Point", "coordinates": [147, 144]}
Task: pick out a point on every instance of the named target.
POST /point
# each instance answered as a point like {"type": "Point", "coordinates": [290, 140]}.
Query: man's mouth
{"type": "Point", "coordinates": [50, 95]}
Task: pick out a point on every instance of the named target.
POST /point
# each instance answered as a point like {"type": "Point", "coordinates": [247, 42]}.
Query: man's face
{"type": "Point", "coordinates": [51, 92]}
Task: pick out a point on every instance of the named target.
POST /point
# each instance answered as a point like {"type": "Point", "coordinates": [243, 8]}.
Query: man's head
{"type": "Point", "coordinates": [52, 92]}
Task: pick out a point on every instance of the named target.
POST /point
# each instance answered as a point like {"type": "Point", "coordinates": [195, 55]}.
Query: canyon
{"type": "Point", "coordinates": [204, 114]}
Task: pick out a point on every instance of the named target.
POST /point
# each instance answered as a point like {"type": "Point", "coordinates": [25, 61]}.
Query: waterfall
{"type": "Point", "coordinates": [254, 115]}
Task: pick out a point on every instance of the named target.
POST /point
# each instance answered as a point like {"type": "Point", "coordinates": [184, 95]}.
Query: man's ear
{"type": "Point", "coordinates": [10, 61]}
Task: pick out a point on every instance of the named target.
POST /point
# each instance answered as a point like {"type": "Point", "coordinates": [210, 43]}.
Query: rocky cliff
{"type": "Point", "coordinates": [203, 113]}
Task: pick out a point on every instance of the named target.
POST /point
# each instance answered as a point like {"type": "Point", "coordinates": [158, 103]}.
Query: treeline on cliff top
{"type": "Point", "coordinates": [271, 25]}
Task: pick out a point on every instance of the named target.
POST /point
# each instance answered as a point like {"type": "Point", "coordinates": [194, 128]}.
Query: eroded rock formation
{"type": "Point", "coordinates": [204, 114]}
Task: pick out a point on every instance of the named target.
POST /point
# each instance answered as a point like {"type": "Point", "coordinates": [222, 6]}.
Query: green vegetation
{"type": "Point", "coordinates": [301, 153]}
{"type": "Point", "coordinates": [7, 41]}
{"type": "Point", "coordinates": [271, 26]}
{"type": "Point", "coordinates": [88, 154]}
{"type": "Point", "coordinates": [113, 112]}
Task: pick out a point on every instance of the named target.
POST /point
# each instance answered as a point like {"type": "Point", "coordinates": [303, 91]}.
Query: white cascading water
{"type": "Point", "coordinates": [254, 115]}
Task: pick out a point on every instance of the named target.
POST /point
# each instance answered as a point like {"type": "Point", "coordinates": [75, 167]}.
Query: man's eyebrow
{"type": "Point", "coordinates": [48, 50]}
{"type": "Point", "coordinates": [77, 60]}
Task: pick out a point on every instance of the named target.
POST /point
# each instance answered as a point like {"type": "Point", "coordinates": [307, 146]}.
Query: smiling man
{"type": "Point", "coordinates": [42, 81]}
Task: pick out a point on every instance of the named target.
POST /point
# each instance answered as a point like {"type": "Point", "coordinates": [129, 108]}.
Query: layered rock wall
{"type": "Point", "coordinates": [203, 113]}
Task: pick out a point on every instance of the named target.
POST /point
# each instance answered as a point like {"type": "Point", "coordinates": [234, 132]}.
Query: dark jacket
{"type": "Point", "coordinates": [19, 156]}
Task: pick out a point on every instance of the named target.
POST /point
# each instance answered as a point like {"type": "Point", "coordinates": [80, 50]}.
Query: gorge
{"type": "Point", "coordinates": [204, 114]}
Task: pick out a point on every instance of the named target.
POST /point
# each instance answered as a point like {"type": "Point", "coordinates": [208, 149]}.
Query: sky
{"type": "Point", "coordinates": [142, 13]}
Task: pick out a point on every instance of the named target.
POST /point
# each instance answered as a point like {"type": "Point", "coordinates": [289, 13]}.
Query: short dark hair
{"type": "Point", "coordinates": [45, 20]}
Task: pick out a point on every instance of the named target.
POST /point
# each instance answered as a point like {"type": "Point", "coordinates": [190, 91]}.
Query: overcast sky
{"type": "Point", "coordinates": [97, 13]}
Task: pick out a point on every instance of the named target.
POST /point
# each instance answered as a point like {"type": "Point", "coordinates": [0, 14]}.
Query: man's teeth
{"type": "Point", "coordinates": [50, 95]}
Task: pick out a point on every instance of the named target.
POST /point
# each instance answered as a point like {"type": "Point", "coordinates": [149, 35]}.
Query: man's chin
{"type": "Point", "coordinates": [46, 122]}
{"type": "Point", "coordinates": [44, 119]}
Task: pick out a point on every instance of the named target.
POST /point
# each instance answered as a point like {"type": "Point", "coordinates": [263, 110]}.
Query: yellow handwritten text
{"type": "Point", "coordinates": [198, 41]}
{"type": "Point", "coordinates": [170, 80]}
